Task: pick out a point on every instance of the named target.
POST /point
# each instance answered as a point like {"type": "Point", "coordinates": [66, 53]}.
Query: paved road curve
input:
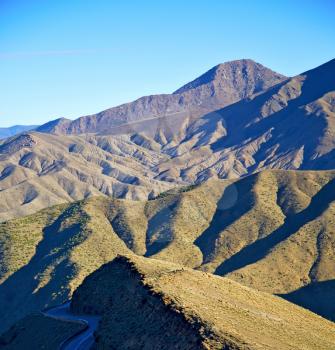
{"type": "Point", "coordinates": [85, 339]}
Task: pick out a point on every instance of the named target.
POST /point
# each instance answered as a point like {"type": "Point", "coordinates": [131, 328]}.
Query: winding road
{"type": "Point", "coordinates": [81, 341]}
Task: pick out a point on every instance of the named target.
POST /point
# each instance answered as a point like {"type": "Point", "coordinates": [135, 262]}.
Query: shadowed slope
{"type": "Point", "coordinates": [280, 222]}
{"type": "Point", "coordinates": [76, 242]}
{"type": "Point", "coordinates": [33, 332]}
{"type": "Point", "coordinates": [221, 86]}
{"type": "Point", "coordinates": [143, 148]}
{"type": "Point", "coordinates": [147, 303]}
{"type": "Point", "coordinates": [226, 213]}
{"type": "Point", "coordinates": [317, 297]}
{"type": "Point", "coordinates": [262, 247]}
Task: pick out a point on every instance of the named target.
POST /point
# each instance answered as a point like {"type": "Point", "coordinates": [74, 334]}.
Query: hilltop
{"type": "Point", "coordinates": [153, 304]}
{"type": "Point", "coordinates": [147, 303]}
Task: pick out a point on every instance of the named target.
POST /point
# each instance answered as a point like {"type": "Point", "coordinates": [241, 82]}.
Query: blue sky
{"type": "Point", "coordinates": [69, 58]}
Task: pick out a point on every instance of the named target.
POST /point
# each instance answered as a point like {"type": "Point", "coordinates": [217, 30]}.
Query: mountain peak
{"type": "Point", "coordinates": [56, 126]}
{"type": "Point", "coordinates": [239, 74]}
{"type": "Point", "coordinates": [221, 86]}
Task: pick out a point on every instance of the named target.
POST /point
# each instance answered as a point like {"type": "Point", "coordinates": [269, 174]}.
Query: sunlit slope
{"type": "Point", "coordinates": [273, 231]}
{"type": "Point", "coordinates": [147, 303]}
{"type": "Point", "coordinates": [44, 270]}
{"type": "Point", "coordinates": [141, 149]}
{"type": "Point", "coordinates": [40, 170]}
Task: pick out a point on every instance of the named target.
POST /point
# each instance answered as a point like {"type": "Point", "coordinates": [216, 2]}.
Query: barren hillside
{"type": "Point", "coordinates": [289, 125]}
{"type": "Point", "coordinates": [224, 84]}
{"type": "Point", "coordinates": [273, 231]}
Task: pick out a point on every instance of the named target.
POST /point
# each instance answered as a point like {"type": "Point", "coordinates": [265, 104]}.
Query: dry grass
{"type": "Point", "coordinates": [159, 305]}
{"type": "Point", "coordinates": [273, 231]}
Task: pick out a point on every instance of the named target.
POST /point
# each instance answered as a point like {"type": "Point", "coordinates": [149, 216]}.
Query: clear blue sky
{"type": "Point", "coordinates": [68, 58]}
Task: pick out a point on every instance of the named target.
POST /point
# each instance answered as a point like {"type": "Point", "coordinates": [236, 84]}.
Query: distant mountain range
{"type": "Point", "coordinates": [238, 118]}
{"type": "Point", "coordinates": [16, 129]}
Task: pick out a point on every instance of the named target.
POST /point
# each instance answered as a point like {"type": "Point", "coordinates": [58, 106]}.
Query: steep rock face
{"type": "Point", "coordinates": [233, 80]}
{"type": "Point", "coordinates": [150, 304]}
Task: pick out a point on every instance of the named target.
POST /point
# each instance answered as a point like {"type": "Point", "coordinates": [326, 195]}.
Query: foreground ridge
{"type": "Point", "coordinates": [147, 302]}
{"type": "Point", "coordinates": [282, 219]}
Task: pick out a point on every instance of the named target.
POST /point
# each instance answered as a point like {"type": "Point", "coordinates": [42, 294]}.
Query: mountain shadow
{"type": "Point", "coordinates": [236, 200]}
{"type": "Point", "coordinates": [159, 233]}
{"type": "Point", "coordinates": [318, 297]}
{"type": "Point", "coordinates": [48, 273]}
{"type": "Point", "coordinates": [259, 249]}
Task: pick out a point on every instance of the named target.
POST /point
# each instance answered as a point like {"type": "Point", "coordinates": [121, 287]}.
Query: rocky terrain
{"type": "Point", "coordinates": [139, 150]}
{"type": "Point", "coordinates": [40, 170]}
{"type": "Point", "coordinates": [224, 84]}
{"type": "Point", "coordinates": [273, 231]}
{"type": "Point", "coordinates": [151, 304]}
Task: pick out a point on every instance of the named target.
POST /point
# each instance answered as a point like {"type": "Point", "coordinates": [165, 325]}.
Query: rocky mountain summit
{"type": "Point", "coordinates": [222, 85]}
{"type": "Point", "coordinates": [237, 119]}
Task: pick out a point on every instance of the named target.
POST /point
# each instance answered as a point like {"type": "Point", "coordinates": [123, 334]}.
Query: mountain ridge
{"type": "Point", "coordinates": [15, 129]}
{"type": "Point", "coordinates": [186, 217]}
{"type": "Point", "coordinates": [141, 158]}
{"type": "Point", "coordinates": [206, 227]}
{"type": "Point", "coordinates": [196, 310]}
{"type": "Point", "coordinates": [244, 77]}
{"type": "Point", "coordinates": [246, 67]}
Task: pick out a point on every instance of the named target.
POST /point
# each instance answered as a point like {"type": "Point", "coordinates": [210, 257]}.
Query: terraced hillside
{"type": "Point", "coordinates": [273, 231]}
